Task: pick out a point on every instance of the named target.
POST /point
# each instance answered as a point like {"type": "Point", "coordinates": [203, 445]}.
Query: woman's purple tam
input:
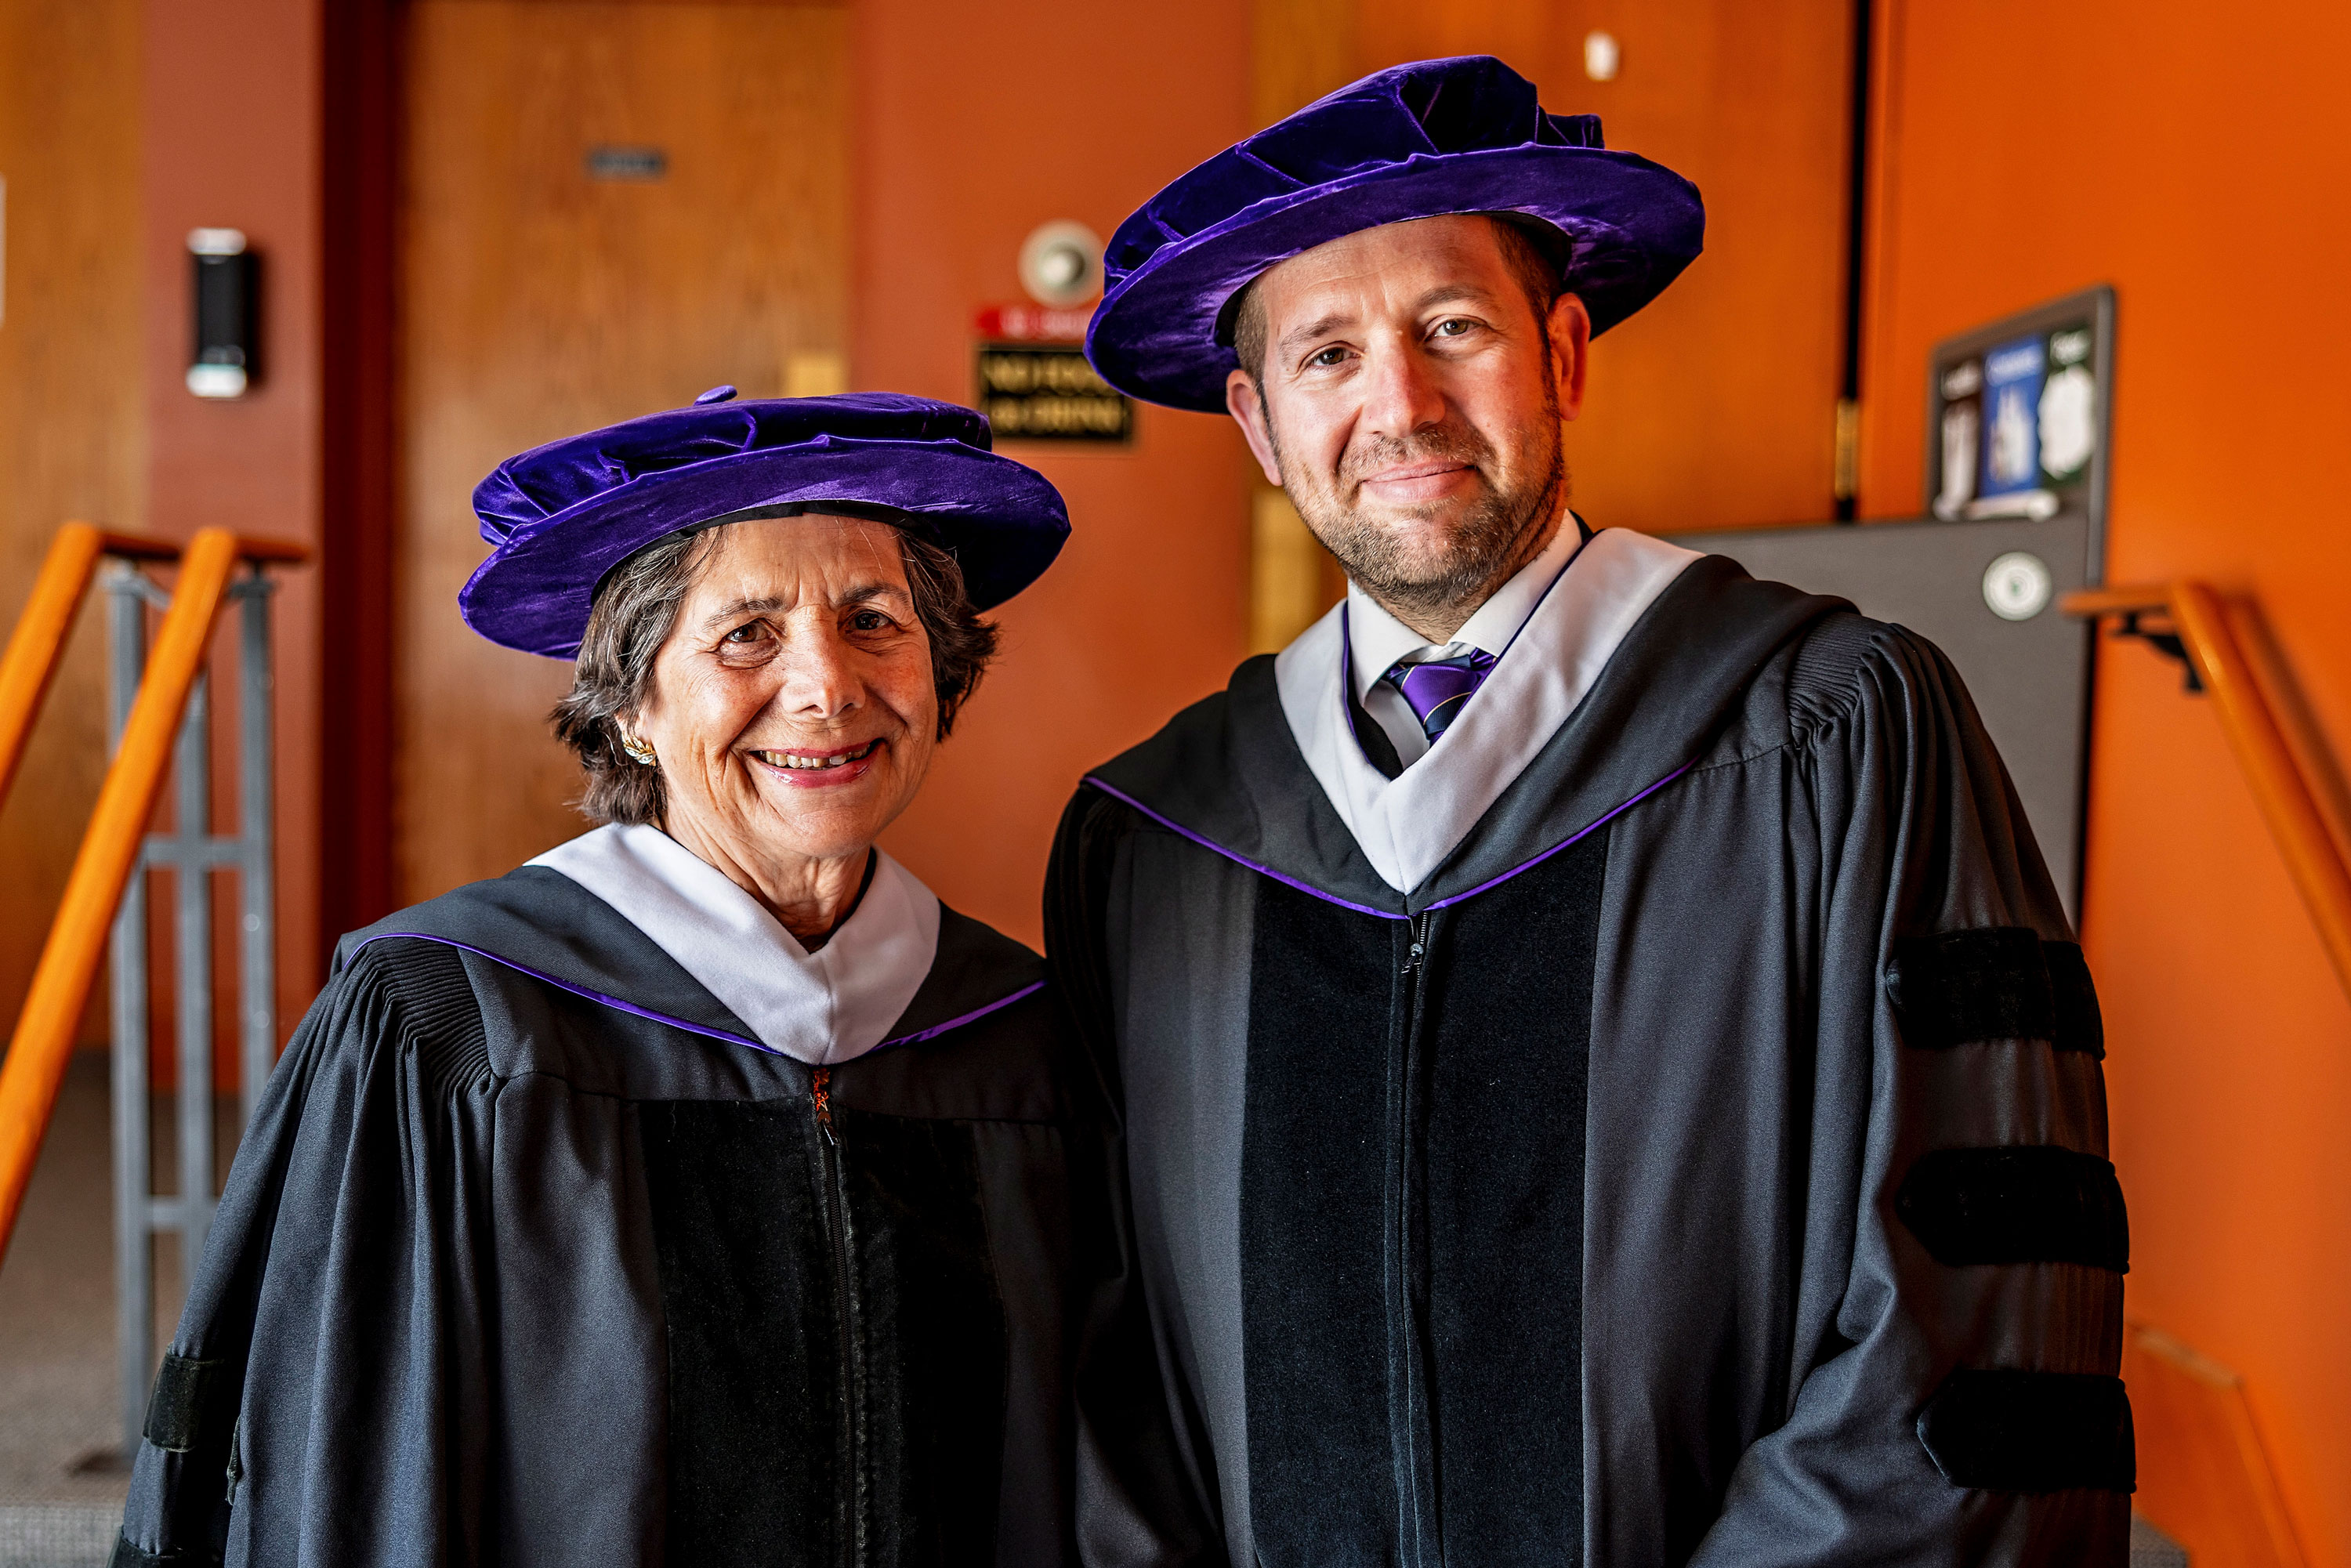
{"type": "Point", "coordinates": [559, 518]}
{"type": "Point", "coordinates": [1419, 141]}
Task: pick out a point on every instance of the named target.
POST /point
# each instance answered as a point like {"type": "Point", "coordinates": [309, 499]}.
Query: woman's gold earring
{"type": "Point", "coordinates": [637, 750]}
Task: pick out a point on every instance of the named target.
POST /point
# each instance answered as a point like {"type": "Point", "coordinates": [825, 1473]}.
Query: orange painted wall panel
{"type": "Point", "coordinates": [230, 139]}
{"type": "Point", "coordinates": [2199, 159]}
{"type": "Point", "coordinates": [973, 126]}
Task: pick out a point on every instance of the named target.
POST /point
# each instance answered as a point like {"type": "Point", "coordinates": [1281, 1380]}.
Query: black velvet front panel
{"type": "Point", "coordinates": [748, 1289]}
{"type": "Point", "coordinates": [1510, 1014]}
{"type": "Point", "coordinates": [933, 1336]}
{"type": "Point", "coordinates": [1412, 1233]}
{"type": "Point", "coordinates": [766, 1367]}
{"type": "Point", "coordinates": [1314, 1152]}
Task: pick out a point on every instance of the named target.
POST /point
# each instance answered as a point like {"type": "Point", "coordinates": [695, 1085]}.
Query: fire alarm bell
{"type": "Point", "coordinates": [1060, 263]}
{"type": "Point", "coordinates": [225, 278]}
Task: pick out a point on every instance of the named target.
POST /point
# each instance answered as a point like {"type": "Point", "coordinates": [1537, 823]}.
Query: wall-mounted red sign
{"type": "Point", "coordinates": [1026, 323]}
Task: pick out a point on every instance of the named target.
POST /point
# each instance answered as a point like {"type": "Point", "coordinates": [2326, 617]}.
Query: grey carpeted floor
{"type": "Point", "coordinates": [61, 1473]}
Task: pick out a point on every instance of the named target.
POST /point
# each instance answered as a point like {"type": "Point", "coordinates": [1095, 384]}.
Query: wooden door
{"type": "Point", "coordinates": [73, 426]}
{"type": "Point", "coordinates": [607, 208]}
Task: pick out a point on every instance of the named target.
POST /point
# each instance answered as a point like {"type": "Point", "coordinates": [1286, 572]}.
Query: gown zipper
{"type": "Point", "coordinates": [1412, 964]}
{"type": "Point", "coordinates": [849, 1504]}
{"type": "Point", "coordinates": [1419, 1543]}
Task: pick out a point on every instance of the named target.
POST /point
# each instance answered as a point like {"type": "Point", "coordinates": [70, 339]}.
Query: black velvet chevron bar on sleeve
{"type": "Point", "coordinates": [2001, 982]}
{"type": "Point", "coordinates": [2034, 1204]}
{"type": "Point", "coordinates": [2030, 1432]}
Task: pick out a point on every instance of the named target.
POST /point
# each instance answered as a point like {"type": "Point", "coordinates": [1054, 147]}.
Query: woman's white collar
{"type": "Point", "coordinates": [824, 1006]}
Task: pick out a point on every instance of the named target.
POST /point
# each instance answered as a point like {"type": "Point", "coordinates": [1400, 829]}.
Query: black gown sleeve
{"type": "Point", "coordinates": [1966, 1407]}
{"type": "Point", "coordinates": [1136, 1507]}
{"type": "Point", "coordinates": [321, 1400]}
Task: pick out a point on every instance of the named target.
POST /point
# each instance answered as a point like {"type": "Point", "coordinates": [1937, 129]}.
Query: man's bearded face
{"type": "Point", "coordinates": [1447, 547]}
{"type": "Point", "coordinates": [1412, 408]}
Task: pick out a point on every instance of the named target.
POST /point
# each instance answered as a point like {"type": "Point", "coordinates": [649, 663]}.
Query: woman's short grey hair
{"type": "Point", "coordinates": [635, 609]}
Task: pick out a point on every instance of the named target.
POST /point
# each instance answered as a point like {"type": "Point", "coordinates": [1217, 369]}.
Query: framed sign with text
{"type": "Point", "coordinates": [2018, 418]}
{"type": "Point", "coordinates": [1047, 392]}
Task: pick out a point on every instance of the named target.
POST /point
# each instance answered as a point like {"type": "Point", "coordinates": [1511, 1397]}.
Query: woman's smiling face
{"type": "Point", "coordinates": [793, 707]}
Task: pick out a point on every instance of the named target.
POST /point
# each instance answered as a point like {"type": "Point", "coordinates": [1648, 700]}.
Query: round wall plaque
{"type": "Point", "coordinates": [2017, 586]}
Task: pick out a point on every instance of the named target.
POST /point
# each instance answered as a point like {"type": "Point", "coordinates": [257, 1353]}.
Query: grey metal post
{"type": "Point", "coordinates": [192, 853]}
{"type": "Point", "coordinates": [256, 856]}
{"type": "Point", "coordinates": [192, 884]}
{"type": "Point", "coordinates": [134, 1258]}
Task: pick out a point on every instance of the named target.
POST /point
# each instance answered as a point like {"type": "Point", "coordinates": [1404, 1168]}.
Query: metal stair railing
{"type": "Point", "coordinates": [2207, 1477]}
{"type": "Point", "coordinates": [192, 851]}
{"type": "Point", "coordinates": [39, 639]}
{"type": "Point", "coordinates": [2212, 637]}
{"type": "Point", "coordinates": [154, 701]}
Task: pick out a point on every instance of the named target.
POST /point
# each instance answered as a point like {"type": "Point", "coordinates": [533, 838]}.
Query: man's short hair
{"type": "Point", "coordinates": [1527, 254]}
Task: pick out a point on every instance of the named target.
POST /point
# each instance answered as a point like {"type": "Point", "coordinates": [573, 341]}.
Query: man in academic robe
{"type": "Point", "coordinates": [1606, 1076]}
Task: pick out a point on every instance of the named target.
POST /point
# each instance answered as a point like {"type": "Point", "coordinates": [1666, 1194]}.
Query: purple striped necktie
{"type": "Point", "coordinates": [1436, 690]}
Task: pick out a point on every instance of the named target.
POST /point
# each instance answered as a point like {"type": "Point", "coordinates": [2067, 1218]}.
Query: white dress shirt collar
{"type": "Point", "coordinates": [1376, 639]}
{"type": "Point", "coordinates": [824, 1006]}
{"type": "Point", "coordinates": [1408, 826]}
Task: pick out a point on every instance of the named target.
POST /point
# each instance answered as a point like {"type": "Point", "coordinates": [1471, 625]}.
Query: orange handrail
{"type": "Point", "coordinates": [39, 640]}
{"type": "Point", "coordinates": [38, 1054]}
{"type": "Point", "coordinates": [2206, 634]}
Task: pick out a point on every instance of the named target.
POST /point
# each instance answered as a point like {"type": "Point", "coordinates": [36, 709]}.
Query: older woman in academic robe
{"type": "Point", "coordinates": [703, 1191]}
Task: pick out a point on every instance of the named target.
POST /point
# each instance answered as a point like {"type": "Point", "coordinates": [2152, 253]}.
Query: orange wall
{"type": "Point", "coordinates": [974, 124]}
{"type": "Point", "coordinates": [231, 139]}
{"type": "Point", "coordinates": [2199, 161]}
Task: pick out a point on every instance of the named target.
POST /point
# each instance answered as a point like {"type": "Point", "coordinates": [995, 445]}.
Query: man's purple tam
{"type": "Point", "coordinates": [1420, 140]}
{"type": "Point", "coordinates": [562, 516]}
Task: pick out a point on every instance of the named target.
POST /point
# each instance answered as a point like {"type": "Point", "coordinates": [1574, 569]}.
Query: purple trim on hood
{"type": "Point", "coordinates": [937, 1029]}
{"type": "Point", "coordinates": [1178, 829]}
{"type": "Point", "coordinates": [593, 995]}
{"type": "Point", "coordinates": [1597, 822]}
{"type": "Point", "coordinates": [631, 1009]}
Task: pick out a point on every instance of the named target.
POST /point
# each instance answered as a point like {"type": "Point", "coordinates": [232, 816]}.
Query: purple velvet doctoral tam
{"type": "Point", "coordinates": [1419, 141]}
{"type": "Point", "coordinates": [562, 516]}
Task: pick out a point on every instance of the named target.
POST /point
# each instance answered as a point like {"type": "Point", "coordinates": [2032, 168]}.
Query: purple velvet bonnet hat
{"type": "Point", "coordinates": [1417, 140]}
{"type": "Point", "coordinates": [562, 516]}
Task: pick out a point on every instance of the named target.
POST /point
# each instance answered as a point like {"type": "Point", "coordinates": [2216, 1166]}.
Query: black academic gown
{"type": "Point", "coordinates": [529, 1258]}
{"type": "Point", "coordinates": [1705, 1163]}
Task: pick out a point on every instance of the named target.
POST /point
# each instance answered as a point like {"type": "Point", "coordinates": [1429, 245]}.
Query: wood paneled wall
{"type": "Point", "coordinates": [539, 302]}
{"type": "Point", "coordinates": [73, 436]}
{"type": "Point", "coordinates": [1715, 406]}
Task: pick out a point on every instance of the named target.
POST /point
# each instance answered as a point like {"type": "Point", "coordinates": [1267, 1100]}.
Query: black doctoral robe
{"type": "Point", "coordinates": [532, 1256]}
{"type": "Point", "coordinates": [1704, 1164]}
